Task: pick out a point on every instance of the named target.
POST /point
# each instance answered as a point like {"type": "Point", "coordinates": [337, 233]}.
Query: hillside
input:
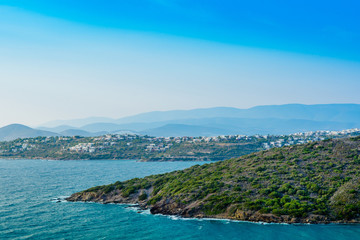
{"type": "Point", "coordinates": [77, 132]}
{"type": "Point", "coordinates": [15, 131]}
{"type": "Point", "coordinates": [146, 148]}
{"type": "Point", "coordinates": [311, 183]}
{"type": "Point", "coordinates": [185, 130]}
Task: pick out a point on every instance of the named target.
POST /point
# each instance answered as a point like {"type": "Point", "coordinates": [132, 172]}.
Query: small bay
{"type": "Point", "coordinates": [29, 209]}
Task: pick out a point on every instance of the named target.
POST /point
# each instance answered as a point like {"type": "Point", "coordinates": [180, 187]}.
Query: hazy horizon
{"type": "Point", "coordinates": [104, 119]}
{"type": "Point", "coordinates": [73, 60]}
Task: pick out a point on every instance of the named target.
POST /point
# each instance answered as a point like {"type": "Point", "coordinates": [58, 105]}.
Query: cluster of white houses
{"type": "Point", "coordinates": [164, 143]}
{"type": "Point", "coordinates": [305, 137]}
{"type": "Point", "coordinates": [83, 147]}
{"type": "Point", "coordinates": [158, 148]}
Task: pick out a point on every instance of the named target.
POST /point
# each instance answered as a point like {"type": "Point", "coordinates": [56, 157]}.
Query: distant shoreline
{"type": "Point", "coordinates": [117, 159]}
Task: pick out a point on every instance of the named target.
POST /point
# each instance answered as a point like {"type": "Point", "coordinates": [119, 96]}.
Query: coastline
{"type": "Point", "coordinates": [275, 186]}
{"type": "Point", "coordinates": [259, 220]}
{"type": "Point", "coordinates": [175, 159]}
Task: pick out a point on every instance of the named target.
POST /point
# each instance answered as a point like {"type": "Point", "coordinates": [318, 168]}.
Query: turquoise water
{"type": "Point", "coordinates": [27, 211]}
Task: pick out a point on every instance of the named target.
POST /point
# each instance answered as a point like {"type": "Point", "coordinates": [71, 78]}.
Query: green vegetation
{"type": "Point", "coordinates": [131, 147]}
{"type": "Point", "coordinates": [149, 148]}
{"type": "Point", "coordinates": [319, 178]}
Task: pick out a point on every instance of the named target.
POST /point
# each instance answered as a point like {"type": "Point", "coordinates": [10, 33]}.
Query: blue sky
{"type": "Point", "coordinates": [71, 59]}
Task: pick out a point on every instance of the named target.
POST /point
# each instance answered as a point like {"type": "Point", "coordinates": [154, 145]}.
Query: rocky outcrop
{"type": "Point", "coordinates": [193, 210]}
{"type": "Point", "coordinates": [100, 197]}
{"type": "Point", "coordinates": [254, 216]}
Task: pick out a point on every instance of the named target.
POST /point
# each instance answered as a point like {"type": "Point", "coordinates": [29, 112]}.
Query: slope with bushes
{"type": "Point", "coordinates": [312, 183]}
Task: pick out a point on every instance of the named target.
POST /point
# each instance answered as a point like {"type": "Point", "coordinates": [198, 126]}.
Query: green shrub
{"type": "Point", "coordinates": [143, 196]}
{"type": "Point", "coordinates": [127, 191]}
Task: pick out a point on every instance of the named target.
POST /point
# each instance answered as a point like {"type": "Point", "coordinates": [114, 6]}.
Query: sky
{"type": "Point", "coordinates": [75, 59]}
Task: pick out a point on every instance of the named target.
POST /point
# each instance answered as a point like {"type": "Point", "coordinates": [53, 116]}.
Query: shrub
{"type": "Point", "coordinates": [274, 194]}
{"type": "Point", "coordinates": [143, 196]}
{"type": "Point", "coordinates": [127, 191]}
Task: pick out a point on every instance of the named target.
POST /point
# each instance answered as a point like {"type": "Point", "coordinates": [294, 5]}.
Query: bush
{"type": "Point", "coordinates": [154, 200]}
{"type": "Point", "coordinates": [127, 191]}
{"type": "Point", "coordinates": [143, 196]}
{"type": "Point", "coordinates": [274, 195]}
{"type": "Point", "coordinates": [108, 188]}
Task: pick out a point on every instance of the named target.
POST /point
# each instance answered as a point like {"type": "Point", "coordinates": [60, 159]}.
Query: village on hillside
{"type": "Point", "coordinates": [147, 148]}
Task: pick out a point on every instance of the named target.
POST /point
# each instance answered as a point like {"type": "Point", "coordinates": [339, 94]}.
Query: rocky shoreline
{"type": "Point", "coordinates": [172, 208]}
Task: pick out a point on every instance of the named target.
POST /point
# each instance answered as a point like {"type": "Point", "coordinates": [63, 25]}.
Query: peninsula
{"type": "Point", "coordinates": [316, 182]}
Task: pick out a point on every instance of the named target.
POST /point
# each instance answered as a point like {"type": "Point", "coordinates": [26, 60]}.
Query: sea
{"type": "Point", "coordinates": [32, 206]}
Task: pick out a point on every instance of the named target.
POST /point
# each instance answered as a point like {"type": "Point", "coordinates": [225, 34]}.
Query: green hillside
{"type": "Point", "coordinates": [314, 182]}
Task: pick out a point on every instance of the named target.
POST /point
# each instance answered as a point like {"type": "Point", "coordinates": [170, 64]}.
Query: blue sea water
{"type": "Point", "coordinates": [27, 209]}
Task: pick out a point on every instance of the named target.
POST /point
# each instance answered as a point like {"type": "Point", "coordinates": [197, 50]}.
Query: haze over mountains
{"type": "Point", "coordinates": [271, 119]}
{"type": "Point", "coordinates": [15, 131]}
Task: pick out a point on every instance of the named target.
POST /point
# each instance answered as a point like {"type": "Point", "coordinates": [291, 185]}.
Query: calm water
{"type": "Point", "coordinates": [27, 212]}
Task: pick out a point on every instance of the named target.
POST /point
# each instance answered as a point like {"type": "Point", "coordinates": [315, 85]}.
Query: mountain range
{"type": "Point", "coordinates": [270, 119]}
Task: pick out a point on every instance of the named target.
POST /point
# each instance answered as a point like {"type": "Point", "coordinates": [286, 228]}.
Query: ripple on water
{"type": "Point", "coordinates": [32, 206]}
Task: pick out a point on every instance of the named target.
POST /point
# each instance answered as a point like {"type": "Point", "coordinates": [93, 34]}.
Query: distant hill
{"type": "Point", "coordinates": [77, 122]}
{"type": "Point", "coordinates": [97, 127]}
{"type": "Point", "coordinates": [15, 131]}
{"type": "Point", "coordinates": [114, 127]}
{"type": "Point", "coordinates": [185, 130]}
{"type": "Point", "coordinates": [318, 112]}
{"type": "Point", "coordinates": [208, 127]}
{"type": "Point", "coordinates": [78, 132]}
{"type": "Point", "coordinates": [234, 126]}
{"type": "Point", "coordinates": [57, 129]}
{"type": "Point", "coordinates": [272, 119]}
